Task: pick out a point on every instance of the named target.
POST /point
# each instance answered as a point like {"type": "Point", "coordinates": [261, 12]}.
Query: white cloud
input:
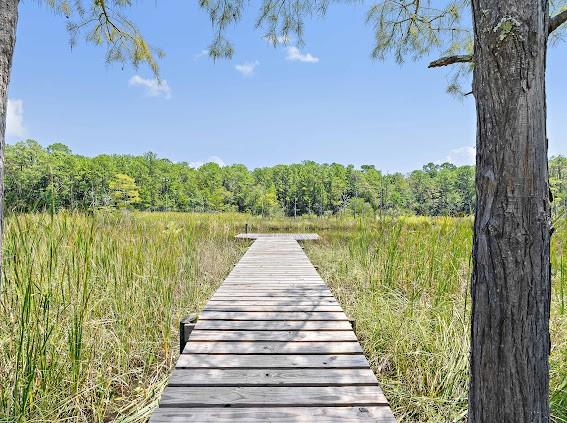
{"type": "Point", "coordinates": [202, 53]}
{"type": "Point", "coordinates": [15, 119]}
{"type": "Point", "coordinates": [295, 55]}
{"type": "Point", "coordinates": [462, 156]}
{"type": "Point", "coordinates": [211, 159]}
{"type": "Point", "coordinates": [152, 87]}
{"type": "Point", "coordinates": [247, 69]}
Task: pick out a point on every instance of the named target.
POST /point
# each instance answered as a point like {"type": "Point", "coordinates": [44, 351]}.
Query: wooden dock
{"type": "Point", "coordinates": [273, 345]}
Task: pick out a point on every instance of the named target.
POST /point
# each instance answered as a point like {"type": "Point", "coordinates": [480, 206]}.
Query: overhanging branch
{"type": "Point", "coordinates": [557, 20]}
{"type": "Point", "coordinates": [451, 60]}
{"type": "Point", "coordinates": [554, 23]}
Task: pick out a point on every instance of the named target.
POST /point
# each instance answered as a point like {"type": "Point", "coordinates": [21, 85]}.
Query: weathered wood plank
{"type": "Point", "coordinates": [258, 361]}
{"type": "Point", "coordinates": [267, 315]}
{"type": "Point", "coordinates": [273, 345]}
{"type": "Point", "coordinates": [276, 236]}
{"type": "Point", "coordinates": [277, 336]}
{"type": "Point", "coordinates": [374, 414]}
{"type": "Point", "coordinates": [273, 289]}
{"type": "Point", "coordinates": [259, 292]}
{"type": "Point", "coordinates": [276, 287]}
{"type": "Point", "coordinates": [271, 294]}
{"type": "Point", "coordinates": [274, 325]}
{"type": "Point", "coordinates": [266, 377]}
{"type": "Point", "coordinates": [273, 301]}
{"type": "Point", "coordinates": [270, 308]}
{"type": "Point", "coordinates": [275, 395]}
{"type": "Point", "coordinates": [267, 347]}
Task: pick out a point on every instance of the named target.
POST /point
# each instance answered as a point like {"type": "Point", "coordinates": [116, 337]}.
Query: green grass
{"type": "Point", "coordinates": [89, 306]}
{"type": "Point", "coordinates": [406, 282]}
{"type": "Point", "coordinates": [89, 309]}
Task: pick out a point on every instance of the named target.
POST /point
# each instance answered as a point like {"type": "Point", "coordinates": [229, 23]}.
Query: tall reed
{"type": "Point", "coordinates": [406, 283]}
{"type": "Point", "coordinates": [89, 307]}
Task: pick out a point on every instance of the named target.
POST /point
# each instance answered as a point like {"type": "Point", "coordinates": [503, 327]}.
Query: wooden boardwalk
{"type": "Point", "coordinates": [273, 345]}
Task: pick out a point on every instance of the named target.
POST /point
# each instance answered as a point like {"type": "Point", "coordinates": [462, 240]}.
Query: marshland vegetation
{"type": "Point", "coordinates": [90, 304]}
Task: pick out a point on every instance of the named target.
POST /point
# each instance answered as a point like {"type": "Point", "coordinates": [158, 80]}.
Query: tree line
{"type": "Point", "coordinates": [54, 178]}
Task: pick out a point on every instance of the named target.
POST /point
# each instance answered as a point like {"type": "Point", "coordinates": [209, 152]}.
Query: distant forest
{"type": "Point", "coordinates": [54, 178]}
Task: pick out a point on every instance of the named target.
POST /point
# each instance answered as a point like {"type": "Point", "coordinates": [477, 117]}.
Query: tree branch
{"type": "Point", "coordinates": [557, 20]}
{"type": "Point", "coordinates": [450, 60]}
{"type": "Point", "coordinates": [554, 23]}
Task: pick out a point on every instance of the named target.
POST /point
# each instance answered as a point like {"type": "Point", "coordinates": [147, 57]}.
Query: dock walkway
{"type": "Point", "coordinates": [273, 345]}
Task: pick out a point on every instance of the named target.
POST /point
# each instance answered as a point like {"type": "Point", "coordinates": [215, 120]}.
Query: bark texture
{"type": "Point", "coordinates": [511, 274]}
{"type": "Point", "coordinates": [8, 23]}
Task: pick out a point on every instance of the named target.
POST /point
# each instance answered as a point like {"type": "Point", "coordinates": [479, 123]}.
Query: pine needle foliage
{"type": "Point", "coordinates": [104, 23]}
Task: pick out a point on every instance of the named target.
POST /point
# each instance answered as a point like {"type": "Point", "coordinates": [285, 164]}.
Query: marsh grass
{"type": "Point", "coordinates": [89, 306]}
{"type": "Point", "coordinates": [406, 283]}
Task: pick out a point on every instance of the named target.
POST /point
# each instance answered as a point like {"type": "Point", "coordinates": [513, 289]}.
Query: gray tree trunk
{"type": "Point", "coordinates": [511, 274]}
{"type": "Point", "coordinates": [8, 23]}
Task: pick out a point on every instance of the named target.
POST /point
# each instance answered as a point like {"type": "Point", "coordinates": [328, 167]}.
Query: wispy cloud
{"type": "Point", "coordinates": [15, 119]}
{"type": "Point", "coordinates": [152, 87]}
{"type": "Point", "coordinates": [211, 159]}
{"type": "Point", "coordinates": [462, 156]}
{"type": "Point", "coordinates": [295, 55]}
{"type": "Point", "coordinates": [247, 69]}
{"type": "Point", "coordinates": [202, 53]}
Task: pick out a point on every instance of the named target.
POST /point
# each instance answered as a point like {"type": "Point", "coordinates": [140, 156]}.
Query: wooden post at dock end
{"type": "Point", "coordinates": [246, 228]}
{"type": "Point", "coordinates": [186, 326]}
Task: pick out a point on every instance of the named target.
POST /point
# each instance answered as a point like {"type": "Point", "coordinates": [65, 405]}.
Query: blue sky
{"type": "Point", "coordinates": [327, 101]}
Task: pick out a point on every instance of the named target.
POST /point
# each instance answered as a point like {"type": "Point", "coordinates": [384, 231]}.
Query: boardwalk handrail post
{"type": "Point", "coordinates": [186, 326]}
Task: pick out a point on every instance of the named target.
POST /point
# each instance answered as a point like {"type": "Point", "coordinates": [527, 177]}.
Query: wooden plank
{"type": "Point", "coordinates": [275, 395]}
{"type": "Point", "coordinates": [275, 236]}
{"type": "Point", "coordinates": [267, 347]}
{"type": "Point", "coordinates": [267, 315]}
{"type": "Point", "coordinates": [271, 294]}
{"type": "Point", "coordinates": [271, 377]}
{"type": "Point", "coordinates": [270, 308]}
{"type": "Point", "coordinates": [277, 336]}
{"type": "Point", "coordinates": [275, 283]}
{"type": "Point", "coordinates": [274, 325]}
{"type": "Point", "coordinates": [372, 414]}
{"type": "Point", "coordinates": [273, 345]}
{"type": "Point", "coordinates": [272, 288]}
{"type": "Point", "coordinates": [258, 361]}
{"type": "Point", "coordinates": [273, 301]}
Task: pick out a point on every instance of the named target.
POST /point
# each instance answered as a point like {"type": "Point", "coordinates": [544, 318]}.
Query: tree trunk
{"type": "Point", "coordinates": [8, 23]}
{"type": "Point", "coordinates": [511, 267]}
